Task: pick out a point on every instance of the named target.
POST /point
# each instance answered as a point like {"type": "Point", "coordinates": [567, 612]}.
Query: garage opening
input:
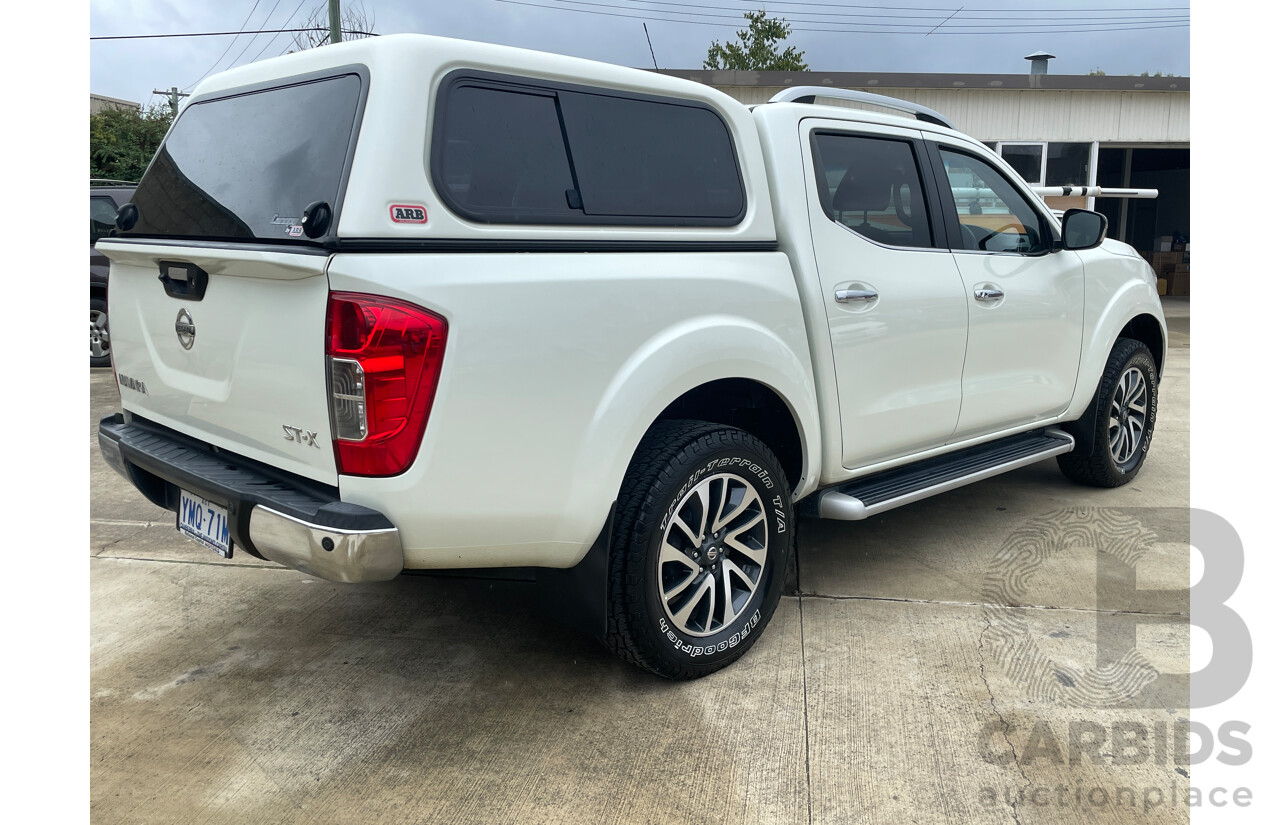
{"type": "Point", "coordinates": [1160, 228]}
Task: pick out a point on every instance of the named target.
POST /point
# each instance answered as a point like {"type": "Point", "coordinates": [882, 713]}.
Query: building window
{"type": "Point", "coordinates": [1067, 164]}
{"type": "Point", "coordinates": [1049, 163]}
{"type": "Point", "coordinates": [1027, 159]}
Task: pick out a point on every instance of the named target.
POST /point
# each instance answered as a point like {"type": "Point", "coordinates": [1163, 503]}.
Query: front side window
{"type": "Point", "coordinates": [872, 186]}
{"type": "Point", "coordinates": [993, 215]}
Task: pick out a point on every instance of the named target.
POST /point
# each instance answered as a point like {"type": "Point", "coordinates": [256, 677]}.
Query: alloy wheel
{"type": "Point", "coordinates": [1128, 415]}
{"type": "Point", "coordinates": [713, 554]}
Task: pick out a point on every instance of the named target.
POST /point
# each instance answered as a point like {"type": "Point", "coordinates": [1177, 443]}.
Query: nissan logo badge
{"type": "Point", "coordinates": [186, 329]}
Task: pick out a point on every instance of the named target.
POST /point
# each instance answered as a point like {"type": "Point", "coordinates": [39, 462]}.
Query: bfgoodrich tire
{"type": "Point", "coordinates": [1125, 419]}
{"type": "Point", "coordinates": [700, 548]}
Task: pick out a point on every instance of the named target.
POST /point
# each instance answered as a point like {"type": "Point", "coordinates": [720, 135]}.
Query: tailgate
{"type": "Point", "coordinates": [241, 366]}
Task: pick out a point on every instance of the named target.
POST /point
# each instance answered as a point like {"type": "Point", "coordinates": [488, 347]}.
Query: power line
{"type": "Point", "coordinates": [224, 34]}
{"type": "Point", "coordinates": [966, 13]}
{"type": "Point", "coordinates": [1114, 27]}
{"type": "Point", "coordinates": [1074, 10]}
{"type": "Point", "coordinates": [229, 45]}
{"type": "Point", "coordinates": [276, 37]}
{"type": "Point", "coordinates": [256, 35]}
{"type": "Point", "coordinates": [934, 21]}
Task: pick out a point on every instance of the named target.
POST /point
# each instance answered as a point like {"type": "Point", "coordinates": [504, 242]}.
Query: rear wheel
{"type": "Point", "coordinates": [701, 543]}
{"type": "Point", "coordinates": [99, 335]}
{"type": "Point", "coordinates": [1125, 419]}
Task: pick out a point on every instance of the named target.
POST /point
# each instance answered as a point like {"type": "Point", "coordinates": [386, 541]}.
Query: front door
{"type": "Point", "coordinates": [895, 302]}
{"type": "Point", "coordinates": [1026, 301]}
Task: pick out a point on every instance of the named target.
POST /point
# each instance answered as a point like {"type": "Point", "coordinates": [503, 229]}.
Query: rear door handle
{"type": "Point", "coordinates": [988, 294]}
{"type": "Point", "coordinates": [846, 295]}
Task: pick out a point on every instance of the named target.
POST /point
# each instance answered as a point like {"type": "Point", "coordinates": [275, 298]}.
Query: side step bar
{"type": "Point", "coordinates": [865, 497]}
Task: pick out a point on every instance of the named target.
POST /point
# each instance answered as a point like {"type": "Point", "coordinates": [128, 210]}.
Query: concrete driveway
{"type": "Point", "coordinates": [897, 686]}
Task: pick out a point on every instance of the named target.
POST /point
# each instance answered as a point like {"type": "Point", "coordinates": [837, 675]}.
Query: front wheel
{"type": "Point", "coordinates": [1125, 419]}
{"type": "Point", "coordinates": [701, 543]}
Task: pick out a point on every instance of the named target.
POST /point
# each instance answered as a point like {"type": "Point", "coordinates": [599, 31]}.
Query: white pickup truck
{"type": "Point", "coordinates": [413, 303]}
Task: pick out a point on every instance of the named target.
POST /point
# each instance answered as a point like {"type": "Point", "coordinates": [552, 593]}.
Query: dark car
{"type": "Point", "coordinates": [105, 199]}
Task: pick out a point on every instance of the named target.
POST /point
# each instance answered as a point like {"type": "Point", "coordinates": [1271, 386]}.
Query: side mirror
{"type": "Point", "coordinates": [1082, 229]}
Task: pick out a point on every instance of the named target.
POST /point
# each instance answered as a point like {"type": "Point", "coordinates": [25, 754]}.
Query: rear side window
{"type": "Point", "coordinates": [245, 167]}
{"type": "Point", "coordinates": [510, 153]}
{"type": "Point", "coordinates": [872, 186]}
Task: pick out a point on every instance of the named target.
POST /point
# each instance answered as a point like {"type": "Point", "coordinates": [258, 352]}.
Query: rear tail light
{"type": "Point", "coordinates": [384, 361]}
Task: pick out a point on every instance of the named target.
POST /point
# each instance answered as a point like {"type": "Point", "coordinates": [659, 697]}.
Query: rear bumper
{"type": "Point", "coordinates": [273, 515]}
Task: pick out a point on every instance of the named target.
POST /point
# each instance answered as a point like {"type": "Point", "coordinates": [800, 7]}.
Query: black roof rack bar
{"type": "Point", "coordinates": [807, 94]}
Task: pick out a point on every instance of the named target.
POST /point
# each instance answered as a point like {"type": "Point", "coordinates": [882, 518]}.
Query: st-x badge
{"type": "Point", "coordinates": [186, 329]}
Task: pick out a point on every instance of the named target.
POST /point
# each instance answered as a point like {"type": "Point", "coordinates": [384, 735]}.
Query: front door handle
{"type": "Point", "coordinates": [988, 294]}
{"type": "Point", "coordinates": [864, 295]}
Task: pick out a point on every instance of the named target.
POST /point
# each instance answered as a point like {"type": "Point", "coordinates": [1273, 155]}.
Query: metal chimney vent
{"type": "Point", "coordinates": [1040, 62]}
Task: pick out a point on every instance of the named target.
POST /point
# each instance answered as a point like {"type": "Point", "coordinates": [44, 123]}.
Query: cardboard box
{"type": "Point", "coordinates": [1180, 283]}
{"type": "Point", "coordinates": [1162, 286]}
{"type": "Point", "coordinates": [1164, 243]}
{"type": "Point", "coordinates": [1164, 262]}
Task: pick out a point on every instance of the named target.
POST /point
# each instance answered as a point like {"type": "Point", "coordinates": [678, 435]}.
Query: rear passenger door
{"type": "Point", "coordinates": [895, 302]}
{"type": "Point", "coordinates": [1025, 300]}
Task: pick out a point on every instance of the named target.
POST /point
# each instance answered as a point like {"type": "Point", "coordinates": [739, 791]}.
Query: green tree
{"type": "Point", "coordinates": [758, 48]}
{"type": "Point", "coordinates": [123, 141]}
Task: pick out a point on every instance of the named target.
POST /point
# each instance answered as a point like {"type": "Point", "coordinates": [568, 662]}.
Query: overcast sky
{"type": "Point", "coordinates": [1153, 36]}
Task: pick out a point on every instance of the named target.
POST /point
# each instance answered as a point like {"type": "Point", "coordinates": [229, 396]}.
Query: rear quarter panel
{"type": "Point", "coordinates": [556, 365]}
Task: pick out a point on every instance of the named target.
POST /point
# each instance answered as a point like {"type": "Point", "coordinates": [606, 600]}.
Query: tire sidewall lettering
{"type": "Point", "coordinates": [696, 650]}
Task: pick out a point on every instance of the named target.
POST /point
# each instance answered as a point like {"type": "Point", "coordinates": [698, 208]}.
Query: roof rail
{"type": "Point", "coordinates": [111, 182]}
{"type": "Point", "coordinates": [806, 94]}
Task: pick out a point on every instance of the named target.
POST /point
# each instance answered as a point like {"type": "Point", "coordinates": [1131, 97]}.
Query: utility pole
{"type": "Point", "coordinates": [335, 21]}
{"type": "Point", "coordinates": [173, 95]}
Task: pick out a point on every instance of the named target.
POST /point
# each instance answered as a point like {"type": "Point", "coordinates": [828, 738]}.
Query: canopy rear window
{"type": "Point", "coordinates": [245, 167]}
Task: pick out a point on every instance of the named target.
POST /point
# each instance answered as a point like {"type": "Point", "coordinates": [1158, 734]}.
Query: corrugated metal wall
{"type": "Point", "coordinates": [1029, 114]}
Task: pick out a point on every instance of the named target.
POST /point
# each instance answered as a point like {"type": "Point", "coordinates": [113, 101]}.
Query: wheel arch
{"type": "Point", "coordinates": [726, 370]}
{"type": "Point", "coordinates": [752, 407]}
{"type": "Point", "coordinates": [1146, 329]}
{"type": "Point", "coordinates": [1141, 326]}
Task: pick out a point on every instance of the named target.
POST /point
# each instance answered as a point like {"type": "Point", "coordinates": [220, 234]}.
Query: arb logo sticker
{"type": "Point", "coordinates": [408, 213]}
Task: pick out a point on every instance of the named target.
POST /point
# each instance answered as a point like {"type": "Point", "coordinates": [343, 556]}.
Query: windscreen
{"type": "Point", "coordinates": [246, 167]}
